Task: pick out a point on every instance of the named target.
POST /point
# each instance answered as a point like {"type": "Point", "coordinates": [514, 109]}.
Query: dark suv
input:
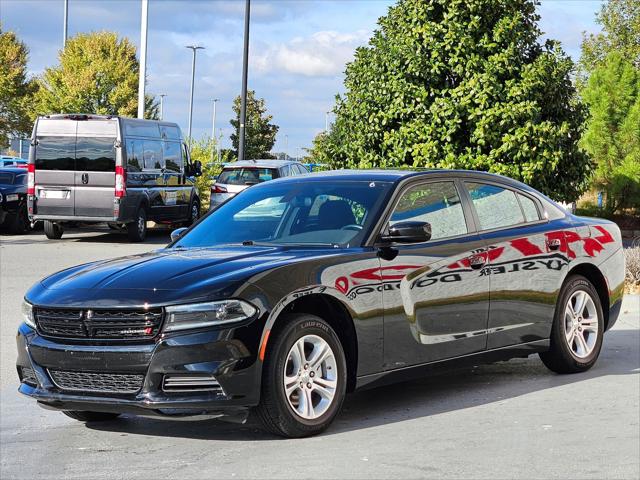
{"type": "Point", "coordinates": [299, 290]}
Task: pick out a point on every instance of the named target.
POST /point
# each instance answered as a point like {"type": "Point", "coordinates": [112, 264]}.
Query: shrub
{"type": "Point", "coordinates": [632, 272]}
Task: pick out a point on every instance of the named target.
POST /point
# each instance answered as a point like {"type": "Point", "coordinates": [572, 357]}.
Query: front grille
{"type": "Point", "coordinates": [97, 382]}
{"type": "Point", "coordinates": [92, 324]}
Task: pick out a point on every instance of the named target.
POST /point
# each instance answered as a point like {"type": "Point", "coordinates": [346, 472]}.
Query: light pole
{"type": "Point", "coordinates": [193, 48]}
{"type": "Point", "coordinates": [143, 57]}
{"type": "Point", "coordinates": [286, 147]}
{"type": "Point", "coordinates": [65, 23]}
{"type": "Point", "coordinates": [162, 95]}
{"type": "Point", "coordinates": [245, 68]}
{"type": "Point", "coordinates": [213, 125]}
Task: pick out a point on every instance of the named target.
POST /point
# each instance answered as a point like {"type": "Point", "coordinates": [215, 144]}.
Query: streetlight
{"type": "Point", "coordinates": [65, 23]}
{"type": "Point", "coordinates": [162, 95]}
{"type": "Point", "coordinates": [193, 48]}
{"type": "Point", "coordinates": [143, 57]}
{"type": "Point", "coordinates": [286, 147]}
{"type": "Point", "coordinates": [245, 68]}
{"type": "Point", "coordinates": [213, 124]}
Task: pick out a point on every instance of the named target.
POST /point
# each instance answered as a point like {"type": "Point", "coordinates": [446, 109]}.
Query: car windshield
{"type": "Point", "coordinates": [323, 212]}
{"type": "Point", "coordinates": [247, 176]}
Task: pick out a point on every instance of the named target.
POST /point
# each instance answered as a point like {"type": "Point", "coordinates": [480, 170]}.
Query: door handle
{"type": "Point", "coordinates": [85, 178]}
{"type": "Point", "coordinates": [554, 244]}
{"type": "Point", "coordinates": [477, 261]}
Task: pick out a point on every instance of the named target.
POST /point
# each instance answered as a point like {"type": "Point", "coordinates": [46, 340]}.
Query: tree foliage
{"type": "Point", "coordinates": [98, 73]}
{"type": "Point", "coordinates": [16, 89]}
{"type": "Point", "coordinates": [612, 136]}
{"type": "Point", "coordinates": [463, 84]}
{"type": "Point", "coordinates": [620, 21]}
{"type": "Point", "coordinates": [260, 133]}
{"type": "Point", "coordinates": [205, 150]}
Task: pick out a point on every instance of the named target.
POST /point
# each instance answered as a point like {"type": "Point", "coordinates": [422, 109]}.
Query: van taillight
{"type": "Point", "coordinates": [31, 179]}
{"type": "Point", "coordinates": [121, 181]}
{"type": "Point", "coordinates": [218, 189]}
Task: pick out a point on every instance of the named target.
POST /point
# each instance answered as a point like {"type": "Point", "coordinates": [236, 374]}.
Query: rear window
{"type": "Point", "coordinates": [95, 154]}
{"type": "Point", "coordinates": [246, 176]}
{"type": "Point", "coordinates": [6, 178]}
{"type": "Point", "coordinates": [56, 153]}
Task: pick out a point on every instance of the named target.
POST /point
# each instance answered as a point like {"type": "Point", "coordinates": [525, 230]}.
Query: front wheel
{"type": "Point", "coordinates": [91, 416]}
{"type": "Point", "coordinates": [53, 231]}
{"type": "Point", "coordinates": [304, 378]}
{"type": "Point", "coordinates": [137, 230]}
{"type": "Point", "coordinates": [577, 330]}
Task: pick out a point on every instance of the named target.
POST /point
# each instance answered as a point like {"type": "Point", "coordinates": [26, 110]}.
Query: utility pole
{"type": "Point", "coordinates": [194, 48]}
{"type": "Point", "coordinates": [286, 147]}
{"type": "Point", "coordinates": [65, 24]}
{"type": "Point", "coordinates": [162, 95]}
{"type": "Point", "coordinates": [143, 57]}
{"type": "Point", "coordinates": [213, 125]}
{"type": "Point", "coordinates": [245, 68]}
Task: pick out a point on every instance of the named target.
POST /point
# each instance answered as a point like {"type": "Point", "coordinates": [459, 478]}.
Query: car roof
{"type": "Point", "coordinates": [15, 159]}
{"type": "Point", "coordinates": [13, 170]}
{"type": "Point", "coordinates": [267, 163]}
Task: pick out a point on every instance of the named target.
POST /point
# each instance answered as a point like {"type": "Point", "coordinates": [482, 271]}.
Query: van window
{"type": "Point", "coordinates": [173, 156]}
{"type": "Point", "coordinates": [141, 129]}
{"type": "Point", "coordinates": [135, 160]}
{"type": "Point", "coordinates": [95, 154]}
{"type": "Point", "coordinates": [169, 132]}
{"type": "Point", "coordinates": [153, 155]}
{"type": "Point", "coordinates": [56, 153]}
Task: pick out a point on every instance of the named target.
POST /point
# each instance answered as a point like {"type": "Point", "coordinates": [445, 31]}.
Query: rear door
{"type": "Point", "coordinates": [55, 160]}
{"type": "Point", "coordinates": [95, 168]}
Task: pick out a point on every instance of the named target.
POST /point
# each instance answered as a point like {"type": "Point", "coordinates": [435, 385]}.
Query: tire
{"type": "Point", "coordinates": [91, 416]}
{"type": "Point", "coordinates": [283, 415]}
{"type": "Point", "coordinates": [137, 230]}
{"type": "Point", "coordinates": [53, 231]}
{"type": "Point", "coordinates": [19, 222]}
{"type": "Point", "coordinates": [567, 353]}
{"type": "Point", "coordinates": [194, 213]}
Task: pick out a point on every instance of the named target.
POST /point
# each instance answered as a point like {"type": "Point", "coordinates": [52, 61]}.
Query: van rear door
{"type": "Point", "coordinates": [55, 157]}
{"type": "Point", "coordinates": [95, 168]}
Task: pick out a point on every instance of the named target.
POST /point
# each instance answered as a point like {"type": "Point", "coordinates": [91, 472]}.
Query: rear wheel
{"type": "Point", "coordinates": [194, 213]}
{"type": "Point", "coordinates": [137, 230]}
{"type": "Point", "coordinates": [53, 231]}
{"type": "Point", "coordinates": [91, 416]}
{"type": "Point", "coordinates": [304, 380]}
{"type": "Point", "coordinates": [19, 222]}
{"type": "Point", "coordinates": [578, 327]}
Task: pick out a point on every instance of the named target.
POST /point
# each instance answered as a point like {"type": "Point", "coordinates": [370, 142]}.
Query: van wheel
{"type": "Point", "coordinates": [194, 214]}
{"type": "Point", "coordinates": [137, 230]}
{"type": "Point", "coordinates": [53, 231]}
{"type": "Point", "coordinates": [577, 330]}
{"type": "Point", "coordinates": [90, 416]}
{"type": "Point", "coordinates": [304, 378]}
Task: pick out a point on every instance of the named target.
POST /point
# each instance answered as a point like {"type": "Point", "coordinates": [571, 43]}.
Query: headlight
{"type": "Point", "coordinates": [27, 314]}
{"type": "Point", "coordinates": [197, 315]}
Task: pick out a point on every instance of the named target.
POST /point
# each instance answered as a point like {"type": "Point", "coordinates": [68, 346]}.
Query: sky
{"type": "Point", "coordinates": [298, 50]}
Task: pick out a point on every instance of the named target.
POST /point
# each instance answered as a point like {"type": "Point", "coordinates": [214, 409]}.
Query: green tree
{"type": "Point", "coordinates": [612, 136]}
{"type": "Point", "coordinates": [16, 89]}
{"type": "Point", "coordinates": [464, 84]}
{"type": "Point", "coordinates": [620, 21]}
{"type": "Point", "coordinates": [260, 133]}
{"type": "Point", "coordinates": [205, 150]}
{"type": "Point", "coordinates": [98, 73]}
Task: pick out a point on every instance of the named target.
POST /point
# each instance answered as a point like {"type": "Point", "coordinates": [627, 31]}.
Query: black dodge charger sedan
{"type": "Point", "coordinates": [299, 290]}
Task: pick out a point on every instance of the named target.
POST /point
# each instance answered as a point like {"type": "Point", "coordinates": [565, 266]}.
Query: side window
{"type": "Point", "coordinates": [286, 171]}
{"type": "Point", "coordinates": [302, 169]}
{"type": "Point", "coordinates": [438, 204]}
{"type": "Point", "coordinates": [529, 208]}
{"type": "Point", "coordinates": [173, 156]}
{"type": "Point", "coordinates": [496, 206]}
{"type": "Point", "coordinates": [153, 155]}
{"type": "Point", "coordinates": [135, 160]}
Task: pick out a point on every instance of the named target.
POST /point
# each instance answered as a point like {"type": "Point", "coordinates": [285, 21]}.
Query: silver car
{"type": "Point", "coordinates": [237, 176]}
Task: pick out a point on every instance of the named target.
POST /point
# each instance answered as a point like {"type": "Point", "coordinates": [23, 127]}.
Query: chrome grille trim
{"type": "Point", "coordinates": [97, 382]}
{"type": "Point", "coordinates": [190, 383]}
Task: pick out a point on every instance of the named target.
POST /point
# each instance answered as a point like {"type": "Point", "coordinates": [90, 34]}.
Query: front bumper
{"type": "Point", "coordinates": [220, 353]}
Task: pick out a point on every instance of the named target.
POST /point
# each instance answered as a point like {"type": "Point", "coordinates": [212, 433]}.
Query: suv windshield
{"type": "Point", "coordinates": [247, 175]}
{"type": "Point", "coordinates": [318, 213]}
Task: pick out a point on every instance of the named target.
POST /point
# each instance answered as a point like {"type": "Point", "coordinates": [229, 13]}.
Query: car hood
{"type": "Point", "coordinates": [168, 276]}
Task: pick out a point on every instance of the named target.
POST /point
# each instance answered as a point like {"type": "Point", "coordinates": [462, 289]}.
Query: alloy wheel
{"type": "Point", "coordinates": [310, 377]}
{"type": "Point", "coordinates": [581, 324]}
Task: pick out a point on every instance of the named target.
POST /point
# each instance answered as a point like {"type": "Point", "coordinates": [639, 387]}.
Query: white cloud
{"type": "Point", "coordinates": [324, 53]}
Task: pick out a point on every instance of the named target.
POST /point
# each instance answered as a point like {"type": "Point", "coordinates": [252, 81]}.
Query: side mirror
{"type": "Point", "coordinates": [197, 168]}
{"type": "Point", "coordinates": [177, 233]}
{"type": "Point", "coordinates": [408, 232]}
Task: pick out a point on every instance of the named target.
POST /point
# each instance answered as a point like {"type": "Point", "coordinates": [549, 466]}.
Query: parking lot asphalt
{"type": "Point", "coordinates": [508, 420]}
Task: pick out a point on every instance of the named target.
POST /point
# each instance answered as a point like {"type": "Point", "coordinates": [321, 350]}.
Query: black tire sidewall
{"type": "Point", "coordinates": [301, 326]}
{"type": "Point", "coordinates": [559, 342]}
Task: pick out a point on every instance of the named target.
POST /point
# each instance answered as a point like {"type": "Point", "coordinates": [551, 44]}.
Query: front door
{"type": "Point", "coordinates": [436, 301]}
